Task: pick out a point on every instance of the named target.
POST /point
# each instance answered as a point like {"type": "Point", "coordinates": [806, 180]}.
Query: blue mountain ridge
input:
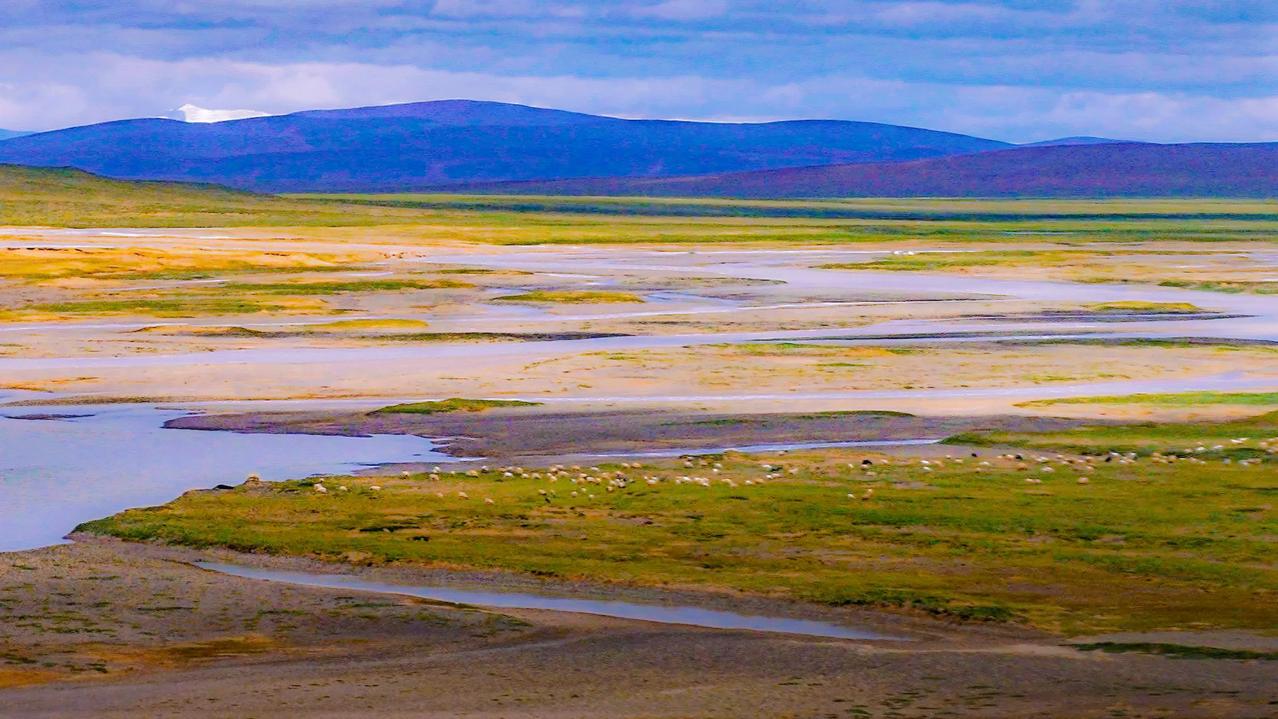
{"type": "Point", "coordinates": [442, 143]}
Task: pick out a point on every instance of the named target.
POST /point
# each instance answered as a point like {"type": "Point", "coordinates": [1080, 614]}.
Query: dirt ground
{"type": "Point", "coordinates": [532, 433]}
{"type": "Point", "coordinates": [129, 631]}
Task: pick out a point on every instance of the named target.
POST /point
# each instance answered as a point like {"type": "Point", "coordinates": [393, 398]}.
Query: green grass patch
{"type": "Point", "coordinates": [1146, 307]}
{"type": "Point", "coordinates": [942, 261]}
{"type": "Point", "coordinates": [175, 307]}
{"type": "Point", "coordinates": [573, 297]}
{"type": "Point", "coordinates": [1177, 651]}
{"type": "Point", "coordinates": [456, 404]}
{"type": "Point", "coordinates": [1229, 286]}
{"type": "Point", "coordinates": [1181, 399]}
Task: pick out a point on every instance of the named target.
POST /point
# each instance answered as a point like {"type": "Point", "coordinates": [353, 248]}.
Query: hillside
{"type": "Point", "coordinates": [1086, 170]}
{"type": "Point", "coordinates": [9, 134]}
{"type": "Point", "coordinates": [403, 147]}
{"type": "Point", "coordinates": [62, 197]}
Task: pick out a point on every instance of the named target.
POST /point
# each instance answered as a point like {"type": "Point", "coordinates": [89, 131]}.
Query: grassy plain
{"type": "Point", "coordinates": [1068, 544]}
{"type": "Point", "coordinates": [69, 198]}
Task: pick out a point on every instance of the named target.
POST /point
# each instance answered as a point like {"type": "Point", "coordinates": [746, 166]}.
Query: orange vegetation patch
{"type": "Point", "coordinates": [10, 678]}
{"type": "Point", "coordinates": [171, 655]}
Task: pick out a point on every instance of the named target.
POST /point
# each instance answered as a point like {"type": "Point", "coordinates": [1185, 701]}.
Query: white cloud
{"type": "Point", "coordinates": [683, 10]}
{"type": "Point", "coordinates": [195, 113]}
{"type": "Point", "coordinates": [51, 94]}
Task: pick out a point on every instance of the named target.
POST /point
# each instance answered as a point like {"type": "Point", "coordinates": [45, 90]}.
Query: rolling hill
{"type": "Point", "coordinates": [1080, 170]}
{"type": "Point", "coordinates": [10, 134]}
{"type": "Point", "coordinates": [64, 197]}
{"type": "Point", "coordinates": [403, 147]}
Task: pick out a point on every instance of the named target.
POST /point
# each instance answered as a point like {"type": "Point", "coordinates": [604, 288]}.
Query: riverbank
{"type": "Point", "coordinates": [1067, 539]}
{"type": "Point", "coordinates": [185, 640]}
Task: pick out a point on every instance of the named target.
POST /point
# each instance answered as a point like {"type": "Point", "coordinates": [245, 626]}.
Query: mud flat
{"type": "Point", "coordinates": [740, 346]}
{"type": "Point", "coordinates": [534, 432]}
{"type": "Point", "coordinates": [120, 630]}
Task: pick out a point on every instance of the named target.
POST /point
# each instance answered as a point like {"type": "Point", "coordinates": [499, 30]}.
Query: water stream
{"type": "Point", "coordinates": [660, 613]}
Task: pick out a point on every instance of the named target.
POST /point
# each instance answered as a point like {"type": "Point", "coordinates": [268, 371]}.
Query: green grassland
{"type": "Point", "coordinates": [1138, 544]}
{"type": "Point", "coordinates": [69, 198]}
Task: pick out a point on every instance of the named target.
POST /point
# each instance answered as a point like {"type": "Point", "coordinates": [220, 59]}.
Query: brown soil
{"type": "Point", "coordinates": [509, 433]}
{"type": "Point", "coordinates": [105, 629]}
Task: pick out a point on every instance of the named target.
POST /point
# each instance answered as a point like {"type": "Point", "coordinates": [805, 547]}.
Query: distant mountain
{"type": "Point", "coordinates": [431, 144]}
{"type": "Point", "coordinates": [10, 134]}
{"type": "Point", "coordinates": [1075, 140]}
{"type": "Point", "coordinates": [1095, 170]}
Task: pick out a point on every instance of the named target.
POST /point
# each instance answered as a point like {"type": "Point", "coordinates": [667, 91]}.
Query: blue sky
{"type": "Point", "coordinates": [1011, 69]}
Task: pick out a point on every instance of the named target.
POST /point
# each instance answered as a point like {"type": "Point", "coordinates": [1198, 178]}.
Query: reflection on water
{"type": "Point", "coordinates": [55, 474]}
{"type": "Point", "coordinates": [693, 616]}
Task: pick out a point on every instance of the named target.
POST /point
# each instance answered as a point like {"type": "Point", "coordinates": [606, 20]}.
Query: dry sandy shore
{"type": "Point", "coordinates": [105, 629]}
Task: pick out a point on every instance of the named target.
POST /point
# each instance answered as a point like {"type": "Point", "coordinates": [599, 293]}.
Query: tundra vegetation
{"type": "Point", "coordinates": [1097, 529]}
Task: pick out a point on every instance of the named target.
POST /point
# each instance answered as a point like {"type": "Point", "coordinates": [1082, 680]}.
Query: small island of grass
{"type": "Point", "coordinates": [1178, 308]}
{"type": "Point", "coordinates": [455, 404]}
{"type": "Point", "coordinates": [579, 297]}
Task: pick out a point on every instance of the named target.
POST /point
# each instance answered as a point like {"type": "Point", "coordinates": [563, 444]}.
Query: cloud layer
{"type": "Point", "coordinates": [1016, 69]}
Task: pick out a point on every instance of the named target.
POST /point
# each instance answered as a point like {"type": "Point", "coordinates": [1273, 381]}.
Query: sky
{"type": "Point", "coordinates": [1166, 70]}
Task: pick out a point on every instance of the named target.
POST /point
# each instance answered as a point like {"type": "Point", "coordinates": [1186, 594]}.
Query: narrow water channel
{"type": "Point", "coordinates": [662, 614]}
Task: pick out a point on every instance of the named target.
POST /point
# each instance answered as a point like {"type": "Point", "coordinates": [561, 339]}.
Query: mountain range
{"type": "Point", "coordinates": [1086, 170]}
{"type": "Point", "coordinates": [404, 147]}
{"type": "Point", "coordinates": [462, 145]}
{"type": "Point", "coordinates": [9, 134]}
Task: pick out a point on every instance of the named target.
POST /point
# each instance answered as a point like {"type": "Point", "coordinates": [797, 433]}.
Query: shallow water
{"type": "Point", "coordinates": [770, 447]}
{"type": "Point", "coordinates": [55, 474]}
{"type": "Point", "coordinates": [693, 616]}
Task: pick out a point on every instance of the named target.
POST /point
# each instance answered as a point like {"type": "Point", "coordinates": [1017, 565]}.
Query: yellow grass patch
{"type": "Point", "coordinates": [173, 655]}
{"type": "Point", "coordinates": [11, 678]}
